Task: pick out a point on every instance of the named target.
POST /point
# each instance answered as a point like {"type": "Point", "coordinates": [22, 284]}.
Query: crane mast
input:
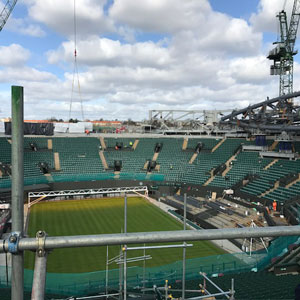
{"type": "Point", "coordinates": [283, 54]}
{"type": "Point", "coordinates": [5, 13]}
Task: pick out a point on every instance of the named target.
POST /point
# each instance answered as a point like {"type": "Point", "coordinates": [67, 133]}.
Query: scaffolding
{"type": "Point", "coordinates": [16, 243]}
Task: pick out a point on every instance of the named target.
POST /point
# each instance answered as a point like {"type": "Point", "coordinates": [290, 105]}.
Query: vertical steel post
{"type": "Point", "coordinates": [17, 202]}
{"type": "Point", "coordinates": [125, 252]}
{"type": "Point", "coordinates": [144, 270]}
{"type": "Point", "coordinates": [166, 290]}
{"type": "Point", "coordinates": [106, 275]}
{"type": "Point", "coordinates": [184, 250]}
{"type": "Point", "coordinates": [232, 289]}
{"type": "Point", "coordinates": [120, 275]}
{"type": "Point", "coordinates": [39, 277]}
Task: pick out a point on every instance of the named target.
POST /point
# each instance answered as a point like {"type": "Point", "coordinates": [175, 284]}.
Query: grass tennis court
{"type": "Point", "coordinates": [99, 216]}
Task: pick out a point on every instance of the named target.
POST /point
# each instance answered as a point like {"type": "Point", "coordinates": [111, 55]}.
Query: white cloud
{"type": "Point", "coordinates": [24, 27]}
{"type": "Point", "coordinates": [24, 74]}
{"type": "Point", "coordinates": [265, 19]}
{"type": "Point", "coordinates": [167, 16]}
{"type": "Point", "coordinates": [193, 24]}
{"type": "Point", "coordinates": [103, 51]}
{"type": "Point", "coordinates": [59, 15]}
{"type": "Point", "coordinates": [204, 60]}
{"type": "Point", "coordinates": [13, 55]}
{"type": "Point", "coordinates": [253, 70]}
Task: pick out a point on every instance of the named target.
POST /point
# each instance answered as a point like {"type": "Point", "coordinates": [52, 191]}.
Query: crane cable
{"type": "Point", "coordinates": [75, 70]}
{"type": "Point", "coordinates": [284, 4]}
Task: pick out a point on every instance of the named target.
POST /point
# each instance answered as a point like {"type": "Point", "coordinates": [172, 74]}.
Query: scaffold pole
{"type": "Point", "coordinates": [17, 203]}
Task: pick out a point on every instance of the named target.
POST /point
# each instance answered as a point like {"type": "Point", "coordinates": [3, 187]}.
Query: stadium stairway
{"type": "Point", "coordinates": [271, 164]}
{"type": "Point", "coordinates": [146, 165]}
{"type": "Point", "coordinates": [56, 161]}
{"type": "Point", "coordinates": [102, 143]}
{"type": "Point", "coordinates": [185, 143]}
{"type": "Point", "coordinates": [210, 179]}
{"type": "Point", "coordinates": [273, 146]}
{"type": "Point", "coordinates": [194, 156]}
{"type": "Point", "coordinates": [155, 156]}
{"type": "Point", "coordinates": [275, 187]}
{"type": "Point", "coordinates": [293, 182]}
{"type": "Point", "coordinates": [135, 144]}
{"type": "Point", "coordinates": [228, 165]}
{"type": "Point", "coordinates": [50, 144]}
{"type": "Point", "coordinates": [218, 145]}
{"type": "Point", "coordinates": [104, 162]}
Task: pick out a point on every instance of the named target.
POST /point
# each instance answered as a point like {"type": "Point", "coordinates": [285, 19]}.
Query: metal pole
{"type": "Point", "coordinates": [6, 269]}
{"type": "Point", "coordinates": [17, 201]}
{"type": "Point", "coordinates": [39, 277]}
{"type": "Point", "coordinates": [232, 289]}
{"type": "Point", "coordinates": [144, 269]}
{"type": "Point", "coordinates": [166, 290]}
{"type": "Point", "coordinates": [125, 214]}
{"type": "Point", "coordinates": [184, 251]}
{"type": "Point", "coordinates": [120, 276]}
{"type": "Point", "coordinates": [159, 247]}
{"type": "Point", "coordinates": [106, 275]}
{"type": "Point", "coordinates": [124, 249]}
{"type": "Point", "coordinates": [153, 237]}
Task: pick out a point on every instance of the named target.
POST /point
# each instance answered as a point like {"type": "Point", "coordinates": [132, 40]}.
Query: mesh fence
{"type": "Point", "coordinates": [6, 182]}
{"type": "Point", "coordinates": [94, 282]}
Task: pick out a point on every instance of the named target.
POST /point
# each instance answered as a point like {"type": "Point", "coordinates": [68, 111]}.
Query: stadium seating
{"type": "Point", "coordinates": [199, 171]}
{"type": "Point", "coordinates": [268, 178]}
{"type": "Point", "coordinates": [80, 161]}
{"type": "Point", "coordinates": [79, 158]}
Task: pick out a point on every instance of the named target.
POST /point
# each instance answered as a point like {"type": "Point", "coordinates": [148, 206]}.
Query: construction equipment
{"type": "Point", "coordinates": [6, 11]}
{"type": "Point", "coordinates": [283, 54]}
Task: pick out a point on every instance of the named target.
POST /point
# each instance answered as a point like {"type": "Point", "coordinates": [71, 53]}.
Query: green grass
{"type": "Point", "coordinates": [99, 216]}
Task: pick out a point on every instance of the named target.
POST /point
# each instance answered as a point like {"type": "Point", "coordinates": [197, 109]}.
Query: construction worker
{"type": "Point", "coordinates": [274, 205]}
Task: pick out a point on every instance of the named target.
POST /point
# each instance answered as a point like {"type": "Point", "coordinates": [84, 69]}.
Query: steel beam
{"type": "Point", "coordinates": [270, 127]}
{"type": "Point", "coordinates": [153, 237]}
{"type": "Point", "coordinates": [257, 105]}
{"type": "Point", "coordinates": [88, 191]}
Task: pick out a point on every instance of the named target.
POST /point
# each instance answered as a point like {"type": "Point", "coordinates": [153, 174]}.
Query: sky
{"type": "Point", "coordinates": [135, 56]}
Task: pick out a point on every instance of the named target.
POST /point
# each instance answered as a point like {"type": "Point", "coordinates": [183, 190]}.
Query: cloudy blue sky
{"type": "Point", "coordinates": [139, 55]}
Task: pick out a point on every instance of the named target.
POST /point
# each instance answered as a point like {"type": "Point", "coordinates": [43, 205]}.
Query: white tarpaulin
{"type": "Point", "coordinates": [87, 126]}
{"type": "Point", "coordinates": [61, 127]}
{"type": "Point", "coordinates": [79, 127]}
{"type": "Point", "coordinates": [76, 128]}
{"type": "Point", "coordinates": [2, 127]}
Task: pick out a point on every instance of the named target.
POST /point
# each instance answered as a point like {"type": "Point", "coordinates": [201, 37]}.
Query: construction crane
{"type": "Point", "coordinates": [283, 54]}
{"type": "Point", "coordinates": [5, 13]}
